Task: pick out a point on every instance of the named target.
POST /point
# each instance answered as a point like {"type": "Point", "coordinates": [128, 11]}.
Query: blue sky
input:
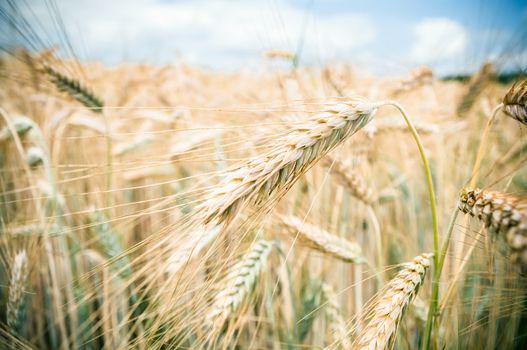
{"type": "Point", "coordinates": [380, 36]}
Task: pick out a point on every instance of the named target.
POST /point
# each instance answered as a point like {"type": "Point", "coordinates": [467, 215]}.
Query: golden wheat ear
{"type": "Point", "coordinates": [515, 102]}
{"type": "Point", "coordinates": [239, 283]}
{"type": "Point", "coordinates": [505, 214]}
{"type": "Point", "coordinates": [350, 180]}
{"type": "Point", "coordinates": [270, 175]}
{"type": "Point", "coordinates": [17, 283]}
{"type": "Point", "coordinates": [333, 311]}
{"type": "Point", "coordinates": [321, 240]}
{"type": "Point", "coordinates": [478, 82]}
{"type": "Point", "coordinates": [75, 89]}
{"type": "Point", "coordinates": [390, 307]}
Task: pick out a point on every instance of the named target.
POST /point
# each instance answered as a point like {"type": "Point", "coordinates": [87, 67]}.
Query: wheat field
{"type": "Point", "coordinates": [174, 207]}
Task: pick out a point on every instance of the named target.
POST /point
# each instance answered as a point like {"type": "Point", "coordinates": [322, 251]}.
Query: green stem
{"type": "Point", "coordinates": [437, 275]}
{"type": "Point", "coordinates": [433, 209]}
{"type": "Point", "coordinates": [446, 243]}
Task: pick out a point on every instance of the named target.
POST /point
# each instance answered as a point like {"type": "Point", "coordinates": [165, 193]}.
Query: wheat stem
{"type": "Point", "coordinates": [433, 209]}
{"type": "Point", "coordinates": [437, 274]}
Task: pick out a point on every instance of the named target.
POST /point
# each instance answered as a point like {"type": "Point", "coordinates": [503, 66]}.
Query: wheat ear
{"type": "Point", "coordinates": [476, 85]}
{"type": "Point", "coordinates": [21, 125]}
{"type": "Point", "coordinates": [336, 322]}
{"type": "Point", "coordinates": [110, 243]}
{"type": "Point", "coordinates": [239, 282]}
{"type": "Point", "coordinates": [505, 214]}
{"type": "Point", "coordinates": [279, 54]}
{"type": "Point", "coordinates": [379, 333]}
{"type": "Point", "coordinates": [276, 171]}
{"type": "Point", "coordinates": [349, 180]}
{"type": "Point", "coordinates": [417, 78]}
{"type": "Point", "coordinates": [322, 241]}
{"type": "Point", "coordinates": [17, 284]}
{"type": "Point", "coordinates": [75, 89]}
{"type": "Point", "coordinates": [515, 102]}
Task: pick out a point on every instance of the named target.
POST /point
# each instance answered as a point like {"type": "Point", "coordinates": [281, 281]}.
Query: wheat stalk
{"type": "Point", "coordinates": [505, 214]}
{"type": "Point", "coordinates": [19, 274]}
{"type": "Point", "coordinates": [379, 333]}
{"type": "Point", "coordinates": [275, 172]}
{"type": "Point", "coordinates": [515, 102]}
{"type": "Point", "coordinates": [322, 241]}
{"type": "Point", "coordinates": [334, 316]}
{"type": "Point", "coordinates": [239, 282]}
{"type": "Point", "coordinates": [75, 90]}
{"type": "Point", "coordinates": [349, 180]}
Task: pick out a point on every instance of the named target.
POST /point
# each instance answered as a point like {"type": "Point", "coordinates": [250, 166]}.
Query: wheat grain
{"type": "Point", "coordinates": [273, 173]}
{"type": "Point", "coordinates": [419, 77]}
{"type": "Point", "coordinates": [505, 214]}
{"type": "Point", "coordinates": [515, 102]}
{"type": "Point", "coordinates": [476, 85]}
{"type": "Point", "coordinates": [75, 89]}
{"type": "Point", "coordinates": [279, 54]}
{"type": "Point", "coordinates": [380, 331]}
{"type": "Point", "coordinates": [333, 312]}
{"type": "Point", "coordinates": [239, 282]}
{"type": "Point", "coordinates": [350, 180]}
{"type": "Point", "coordinates": [35, 156]}
{"type": "Point", "coordinates": [17, 283]}
{"type": "Point", "coordinates": [111, 244]}
{"type": "Point", "coordinates": [21, 125]}
{"type": "Point", "coordinates": [322, 241]}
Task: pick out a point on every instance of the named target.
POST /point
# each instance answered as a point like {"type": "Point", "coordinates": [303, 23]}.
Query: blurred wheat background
{"type": "Point", "coordinates": [171, 206]}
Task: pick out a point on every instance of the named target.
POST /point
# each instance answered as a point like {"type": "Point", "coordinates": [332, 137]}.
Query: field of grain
{"type": "Point", "coordinates": [172, 207]}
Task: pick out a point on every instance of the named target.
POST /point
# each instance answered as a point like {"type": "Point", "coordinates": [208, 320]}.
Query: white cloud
{"type": "Point", "coordinates": [438, 39]}
{"type": "Point", "coordinates": [218, 33]}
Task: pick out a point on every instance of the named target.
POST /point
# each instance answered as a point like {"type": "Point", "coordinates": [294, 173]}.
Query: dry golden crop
{"type": "Point", "coordinates": [172, 207]}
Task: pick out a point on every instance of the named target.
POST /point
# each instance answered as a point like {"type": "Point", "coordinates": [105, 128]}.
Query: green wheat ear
{"type": "Point", "coordinates": [75, 90]}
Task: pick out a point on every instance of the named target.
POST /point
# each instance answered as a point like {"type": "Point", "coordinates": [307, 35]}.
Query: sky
{"type": "Point", "coordinates": [383, 37]}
